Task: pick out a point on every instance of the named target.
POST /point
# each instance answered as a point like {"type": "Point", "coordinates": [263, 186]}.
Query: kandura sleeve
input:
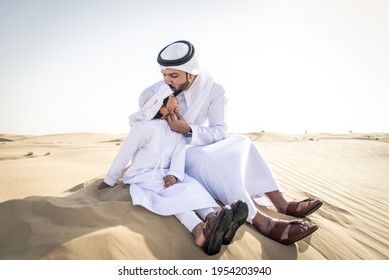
{"type": "Point", "coordinates": [135, 139]}
{"type": "Point", "coordinates": [217, 127]}
{"type": "Point", "coordinates": [177, 164]}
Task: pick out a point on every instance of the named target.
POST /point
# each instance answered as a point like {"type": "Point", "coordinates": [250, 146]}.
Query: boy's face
{"type": "Point", "coordinates": [172, 104]}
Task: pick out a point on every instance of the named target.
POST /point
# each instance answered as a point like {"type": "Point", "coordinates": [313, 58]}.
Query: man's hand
{"type": "Point", "coordinates": [177, 122]}
{"type": "Point", "coordinates": [169, 180]}
{"type": "Point", "coordinates": [103, 185]}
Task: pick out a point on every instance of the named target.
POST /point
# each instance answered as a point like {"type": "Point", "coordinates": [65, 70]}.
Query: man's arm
{"type": "Point", "coordinates": [204, 135]}
{"type": "Point", "coordinates": [216, 116]}
{"type": "Point", "coordinates": [177, 123]}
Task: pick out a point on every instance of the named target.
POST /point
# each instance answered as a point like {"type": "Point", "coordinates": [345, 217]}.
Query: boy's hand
{"type": "Point", "coordinates": [103, 185]}
{"type": "Point", "coordinates": [169, 180]}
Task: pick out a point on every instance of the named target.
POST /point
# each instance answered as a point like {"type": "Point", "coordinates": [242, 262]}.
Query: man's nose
{"type": "Point", "coordinates": [168, 80]}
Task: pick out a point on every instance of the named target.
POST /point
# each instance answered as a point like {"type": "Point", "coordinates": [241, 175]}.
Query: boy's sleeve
{"type": "Point", "coordinates": [134, 140]}
{"type": "Point", "coordinates": [177, 164]}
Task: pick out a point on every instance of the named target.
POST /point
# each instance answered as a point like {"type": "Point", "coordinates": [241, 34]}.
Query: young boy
{"type": "Point", "coordinates": [158, 181]}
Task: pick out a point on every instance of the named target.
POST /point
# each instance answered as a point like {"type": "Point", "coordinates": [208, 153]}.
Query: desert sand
{"type": "Point", "coordinates": [50, 208]}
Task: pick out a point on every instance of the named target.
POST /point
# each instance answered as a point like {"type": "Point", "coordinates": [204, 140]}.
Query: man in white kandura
{"type": "Point", "coordinates": [158, 181]}
{"type": "Point", "coordinates": [231, 167]}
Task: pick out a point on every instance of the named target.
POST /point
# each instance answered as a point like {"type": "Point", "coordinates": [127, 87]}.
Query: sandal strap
{"type": "Point", "coordinates": [292, 206]}
{"type": "Point", "coordinates": [279, 228]}
{"type": "Point", "coordinates": [211, 222]}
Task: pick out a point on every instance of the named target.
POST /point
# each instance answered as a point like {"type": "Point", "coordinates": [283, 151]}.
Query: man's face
{"type": "Point", "coordinates": [177, 80]}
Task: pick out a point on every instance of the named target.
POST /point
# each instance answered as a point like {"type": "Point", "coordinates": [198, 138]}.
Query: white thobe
{"type": "Point", "coordinates": [155, 151]}
{"type": "Point", "coordinates": [230, 168]}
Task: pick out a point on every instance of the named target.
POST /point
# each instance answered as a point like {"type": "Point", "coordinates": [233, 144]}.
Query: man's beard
{"type": "Point", "coordinates": [181, 88]}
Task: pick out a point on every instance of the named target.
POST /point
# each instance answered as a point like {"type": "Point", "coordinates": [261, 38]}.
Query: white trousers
{"type": "Point", "coordinates": [190, 219]}
{"type": "Point", "coordinates": [232, 169]}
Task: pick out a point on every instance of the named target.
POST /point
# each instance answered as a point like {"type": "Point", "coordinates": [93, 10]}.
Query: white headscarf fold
{"type": "Point", "coordinates": [149, 105]}
{"type": "Point", "coordinates": [198, 94]}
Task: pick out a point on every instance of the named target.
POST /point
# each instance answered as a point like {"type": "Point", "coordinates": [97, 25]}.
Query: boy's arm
{"type": "Point", "coordinates": [177, 164]}
{"type": "Point", "coordinates": [134, 140]}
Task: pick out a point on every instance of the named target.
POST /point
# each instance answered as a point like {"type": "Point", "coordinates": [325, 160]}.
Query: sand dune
{"type": "Point", "coordinates": [50, 208]}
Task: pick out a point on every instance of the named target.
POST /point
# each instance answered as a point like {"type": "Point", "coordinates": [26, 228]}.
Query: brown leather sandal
{"type": "Point", "coordinates": [313, 205]}
{"type": "Point", "coordinates": [294, 233]}
{"type": "Point", "coordinates": [215, 228]}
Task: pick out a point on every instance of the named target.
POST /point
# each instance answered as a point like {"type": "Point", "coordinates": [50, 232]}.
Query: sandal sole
{"type": "Point", "coordinates": [241, 212]}
{"type": "Point", "coordinates": [215, 239]}
{"type": "Point", "coordinates": [313, 208]}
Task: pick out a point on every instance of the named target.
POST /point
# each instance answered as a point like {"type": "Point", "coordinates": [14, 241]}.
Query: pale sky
{"type": "Point", "coordinates": [286, 66]}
